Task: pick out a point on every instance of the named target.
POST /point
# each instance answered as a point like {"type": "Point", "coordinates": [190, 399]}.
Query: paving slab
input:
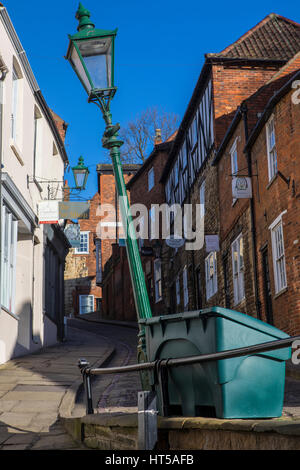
{"type": "Point", "coordinates": [32, 390]}
{"type": "Point", "coordinates": [33, 396]}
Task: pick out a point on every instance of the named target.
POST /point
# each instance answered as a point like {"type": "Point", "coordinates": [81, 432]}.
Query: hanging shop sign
{"type": "Point", "coordinates": [72, 232]}
{"type": "Point", "coordinates": [241, 187]}
{"type": "Point", "coordinates": [212, 243]}
{"type": "Point", "coordinates": [48, 212]}
{"type": "Point", "coordinates": [74, 210]}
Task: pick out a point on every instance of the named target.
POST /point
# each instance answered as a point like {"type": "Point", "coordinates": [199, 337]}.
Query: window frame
{"type": "Point", "coordinates": [238, 270]}
{"type": "Point", "coordinates": [157, 281]}
{"type": "Point", "coordinates": [78, 251]}
{"type": "Point", "coordinates": [151, 181]}
{"type": "Point", "coordinates": [271, 172]}
{"type": "Point", "coordinates": [80, 299]}
{"type": "Point", "coordinates": [202, 198]}
{"type": "Point", "coordinates": [234, 158]}
{"type": "Point", "coordinates": [211, 283]}
{"type": "Point", "coordinates": [278, 286]}
{"type": "Point", "coordinates": [8, 220]}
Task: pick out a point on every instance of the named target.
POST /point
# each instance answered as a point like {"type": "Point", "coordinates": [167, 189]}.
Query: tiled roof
{"type": "Point", "coordinates": [275, 37]}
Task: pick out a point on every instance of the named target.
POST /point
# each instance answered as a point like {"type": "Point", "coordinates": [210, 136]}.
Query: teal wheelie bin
{"type": "Point", "coordinates": [249, 386]}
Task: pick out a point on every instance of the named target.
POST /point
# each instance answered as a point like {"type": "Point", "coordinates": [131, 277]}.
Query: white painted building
{"type": "Point", "coordinates": [32, 156]}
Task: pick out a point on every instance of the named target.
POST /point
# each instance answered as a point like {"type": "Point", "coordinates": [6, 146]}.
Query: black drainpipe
{"type": "Point", "coordinates": [244, 110]}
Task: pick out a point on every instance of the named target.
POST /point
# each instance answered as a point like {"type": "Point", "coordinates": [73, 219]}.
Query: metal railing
{"type": "Point", "coordinates": [146, 401]}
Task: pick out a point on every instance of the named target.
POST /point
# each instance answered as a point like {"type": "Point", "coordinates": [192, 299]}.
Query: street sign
{"type": "Point", "coordinates": [48, 212]}
{"type": "Point", "coordinates": [241, 187]}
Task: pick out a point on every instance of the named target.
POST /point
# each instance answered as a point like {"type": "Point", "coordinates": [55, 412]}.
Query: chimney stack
{"type": "Point", "coordinates": [158, 139]}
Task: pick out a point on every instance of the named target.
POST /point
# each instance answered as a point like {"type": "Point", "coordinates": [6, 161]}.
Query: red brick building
{"type": "Point", "coordinates": [144, 188]}
{"type": "Point", "coordinates": [273, 147]}
{"type": "Point", "coordinates": [238, 218]}
{"type": "Point", "coordinates": [84, 265]}
{"type": "Point", "coordinates": [200, 278]}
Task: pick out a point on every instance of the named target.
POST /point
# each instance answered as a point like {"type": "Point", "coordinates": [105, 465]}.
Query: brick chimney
{"type": "Point", "coordinates": [66, 191]}
{"type": "Point", "coordinates": [158, 139]}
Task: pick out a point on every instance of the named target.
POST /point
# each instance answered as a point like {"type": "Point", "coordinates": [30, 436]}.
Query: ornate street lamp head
{"type": "Point", "coordinates": [80, 173]}
{"type": "Point", "coordinates": [91, 54]}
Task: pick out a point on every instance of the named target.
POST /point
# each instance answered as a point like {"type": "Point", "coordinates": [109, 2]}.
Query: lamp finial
{"type": "Point", "coordinates": [83, 16]}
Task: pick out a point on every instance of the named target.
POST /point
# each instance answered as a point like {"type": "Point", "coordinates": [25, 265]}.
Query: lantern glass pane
{"type": "Point", "coordinates": [77, 64]}
{"type": "Point", "coordinates": [79, 177]}
{"type": "Point", "coordinates": [96, 54]}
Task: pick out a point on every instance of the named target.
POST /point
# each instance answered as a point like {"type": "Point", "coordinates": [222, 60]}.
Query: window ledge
{"type": "Point", "coordinates": [282, 291]}
{"type": "Point", "coordinates": [10, 313]}
{"type": "Point", "coordinates": [272, 181]}
{"type": "Point", "coordinates": [17, 152]}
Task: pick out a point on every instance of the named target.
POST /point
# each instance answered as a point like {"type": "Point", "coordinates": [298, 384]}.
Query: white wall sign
{"type": "Point", "coordinates": [241, 187]}
{"type": "Point", "coordinates": [212, 243]}
{"type": "Point", "coordinates": [48, 212]}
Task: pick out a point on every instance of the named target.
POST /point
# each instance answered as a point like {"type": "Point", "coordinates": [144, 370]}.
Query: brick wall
{"type": "Point", "coordinates": [80, 269]}
{"type": "Point", "coordinates": [272, 199]}
{"type": "Point", "coordinates": [232, 85]}
{"type": "Point", "coordinates": [118, 300]}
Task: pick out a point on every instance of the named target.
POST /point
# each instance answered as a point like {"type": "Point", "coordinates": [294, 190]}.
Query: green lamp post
{"type": "Point", "coordinates": [91, 54]}
{"type": "Point", "coordinates": [81, 173]}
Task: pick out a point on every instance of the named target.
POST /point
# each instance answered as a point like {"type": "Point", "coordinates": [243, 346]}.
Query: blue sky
{"type": "Point", "coordinates": [158, 57]}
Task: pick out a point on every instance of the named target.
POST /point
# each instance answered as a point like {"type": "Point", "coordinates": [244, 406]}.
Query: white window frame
{"type": "Point", "coordinates": [278, 254]}
{"type": "Point", "coordinates": [151, 179]}
{"type": "Point", "coordinates": [8, 262]}
{"type": "Point", "coordinates": [185, 288]}
{"type": "Point", "coordinates": [16, 106]}
{"type": "Point", "coordinates": [157, 280]}
{"type": "Point", "coordinates": [238, 269]}
{"type": "Point", "coordinates": [202, 199]}
{"type": "Point", "coordinates": [80, 303]}
{"type": "Point", "coordinates": [271, 149]}
{"type": "Point", "coordinates": [78, 251]}
{"type": "Point", "coordinates": [211, 281]}
{"type": "Point", "coordinates": [234, 158]}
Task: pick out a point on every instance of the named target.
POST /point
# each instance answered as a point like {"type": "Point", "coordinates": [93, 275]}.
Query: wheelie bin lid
{"type": "Point", "coordinates": [216, 311]}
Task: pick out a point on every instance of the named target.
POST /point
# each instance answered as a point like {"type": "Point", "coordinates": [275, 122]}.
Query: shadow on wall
{"type": "Point", "coordinates": [18, 338]}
